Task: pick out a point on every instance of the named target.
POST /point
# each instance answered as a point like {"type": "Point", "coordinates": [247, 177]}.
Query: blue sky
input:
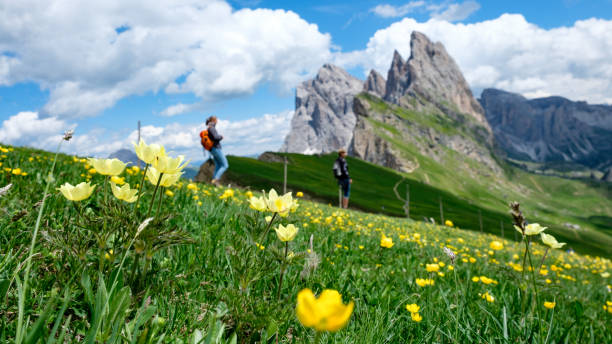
{"type": "Point", "coordinates": [173, 63]}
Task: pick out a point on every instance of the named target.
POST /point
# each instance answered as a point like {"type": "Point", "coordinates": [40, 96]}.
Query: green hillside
{"type": "Point", "coordinates": [556, 201]}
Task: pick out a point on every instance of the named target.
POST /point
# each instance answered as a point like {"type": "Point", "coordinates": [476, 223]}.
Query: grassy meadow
{"type": "Point", "coordinates": [551, 200]}
{"type": "Point", "coordinates": [207, 268]}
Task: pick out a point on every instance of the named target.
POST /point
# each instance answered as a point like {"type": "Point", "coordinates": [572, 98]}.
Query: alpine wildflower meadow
{"type": "Point", "coordinates": [98, 251]}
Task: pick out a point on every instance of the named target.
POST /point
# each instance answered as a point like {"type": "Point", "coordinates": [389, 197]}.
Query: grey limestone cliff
{"type": "Point", "coordinates": [551, 129]}
{"type": "Point", "coordinates": [432, 74]}
{"type": "Point", "coordinates": [324, 118]}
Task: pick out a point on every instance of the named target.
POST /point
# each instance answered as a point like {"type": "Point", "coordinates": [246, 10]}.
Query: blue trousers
{"type": "Point", "coordinates": [220, 160]}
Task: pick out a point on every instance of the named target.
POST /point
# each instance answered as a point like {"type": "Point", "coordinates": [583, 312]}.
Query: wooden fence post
{"type": "Point", "coordinates": [407, 200]}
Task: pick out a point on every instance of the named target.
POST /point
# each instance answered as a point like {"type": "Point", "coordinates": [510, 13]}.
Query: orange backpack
{"type": "Point", "coordinates": [207, 143]}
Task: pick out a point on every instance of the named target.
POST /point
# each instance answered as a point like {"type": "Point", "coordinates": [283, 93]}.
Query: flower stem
{"type": "Point", "coordinates": [317, 337]}
{"type": "Point", "coordinates": [141, 184]}
{"type": "Point", "coordinates": [542, 262]}
{"type": "Point", "coordinates": [268, 228]}
{"type": "Point", "coordinates": [282, 271]}
{"type": "Point", "coordinates": [154, 194]}
{"type": "Point", "coordinates": [161, 194]}
{"type": "Point", "coordinates": [535, 290]}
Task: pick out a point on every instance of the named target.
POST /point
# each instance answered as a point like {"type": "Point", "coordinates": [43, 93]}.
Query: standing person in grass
{"type": "Point", "coordinates": [215, 148]}
{"type": "Point", "coordinates": [342, 175]}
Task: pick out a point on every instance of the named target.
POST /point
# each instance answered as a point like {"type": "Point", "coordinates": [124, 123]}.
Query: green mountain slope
{"type": "Point", "coordinates": [552, 201]}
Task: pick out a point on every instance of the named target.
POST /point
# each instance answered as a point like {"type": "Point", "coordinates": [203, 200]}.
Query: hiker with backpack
{"type": "Point", "coordinates": [342, 175]}
{"type": "Point", "coordinates": [211, 139]}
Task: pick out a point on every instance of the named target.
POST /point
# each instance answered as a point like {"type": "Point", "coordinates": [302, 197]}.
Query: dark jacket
{"type": "Point", "coordinates": [341, 169]}
{"type": "Point", "coordinates": [214, 136]}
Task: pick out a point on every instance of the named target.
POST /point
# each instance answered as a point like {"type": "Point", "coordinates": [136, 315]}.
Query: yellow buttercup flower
{"type": "Point", "coordinates": [77, 193]}
{"type": "Point", "coordinates": [386, 241]}
{"type": "Point", "coordinates": [148, 153]}
{"type": "Point", "coordinates": [168, 165]}
{"type": "Point", "coordinates": [107, 167]}
{"type": "Point", "coordinates": [192, 186]}
{"type": "Point", "coordinates": [432, 267]}
{"type": "Point", "coordinates": [423, 282]}
{"type": "Point", "coordinates": [413, 308]}
{"type": "Point", "coordinates": [286, 233]}
{"type": "Point", "coordinates": [117, 180]}
{"type": "Point", "coordinates": [488, 297]}
{"type": "Point", "coordinates": [325, 313]}
{"type": "Point", "coordinates": [496, 245]}
{"type": "Point", "coordinates": [416, 317]}
{"type": "Point", "coordinates": [448, 223]}
{"type": "Point", "coordinates": [248, 194]}
{"type": "Point", "coordinates": [258, 203]}
{"type": "Point", "coordinates": [167, 180]}
{"type": "Point", "coordinates": [299, 194]}
{"type": "Point", "coordinates": [550, 241]}
{"type": "Point", "coordinates": [169, 193]}
{"type": "Point", "coordinates": [227, 194]}
{"type": "Point", "coordinates": [550, 305]}
{"type": "Point", "coordinates": [124, 192]}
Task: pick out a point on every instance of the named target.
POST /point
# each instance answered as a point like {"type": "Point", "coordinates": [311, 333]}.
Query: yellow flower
{"type": "Point", "coordinates": [169, 193]}
{"type": "Point", "coordinates": [361, 247]}
{"type": "Point", "coordinates": [475, 279]}
{"type": "Point", "coordinates": [258, 203]}
{"type": "Point", "coordinates": [117, 180]}
{"type": "Point", "coordinates": [16, 171]}
{"type": "Point", "coordinates": [386, 241]}
{"type": "Point", "coordinates": [135, 169]}
{"type": "Point", "coordinates": [124, 192]}
{"type": "Point", "coordinates": [148, 153]}
{"type": "Point", "coordinates": [487, 280]}
{"type": "Point", "coordinates": [167, 180]}
{"type": "Point", "coordinates": [299, 194]}
{"type": "Point", "coordinates": [543, 272]}
{"type": "Point", "coordinates": [496, 245]}
{"type": "Point", "coordinates": [448, 223]}
{"type": "Point", "coordinates": [326, 313]}
{"type": "Point", "coordinates": [550, 241]}
{"type": "Point", "coordinates": [432, 267]}
{"type": "Point", "coordinates": [248, 194]}
{"type": "Point", "coordinates": [227, 194]}
{"type": "Point", "coordinates": [77, 193]}
{"type": "Point", "coordinates": [287, 233]}
{"type": "Point", "coordinates": [423, 282]}
{"type": "Point", "coordinates": [534, 229]}
{"type": "Point", "coordinates": [166, 164]}
{"type": "Point", "coordinates": [107, 167]}
{"type": "Point", "coordinates": [416, 317]}
{"type": "Point", "coordinates": [92, 171]}
{"type": "Point", "coordinates": [280, 204]}
{"type": "Point", "coordinates": [192, 186]}
{"type": "Point", "coordinates": [549, 305]}
{"type": "Point", "coordinates": [488, 297]}
{"type": "Point", "coordinates": [413, 308]}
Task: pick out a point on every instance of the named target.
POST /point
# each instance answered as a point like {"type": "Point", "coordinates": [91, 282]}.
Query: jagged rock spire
{"type": "Point", "coordinates": [375, 84]}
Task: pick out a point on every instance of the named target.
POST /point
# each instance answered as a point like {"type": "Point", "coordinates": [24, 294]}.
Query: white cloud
{"type": "Point", "coordinates": [390, 11]}
{"type": "Point", "coordinates": [178, 109]}
{"type": "Point", "coordinates": [244, 137]}
{"type": "Point", "coordinates": [455, 12]}
{"type": "Point", "coordinates": [508, 53]}
{"type": "Point", "coordinates": [27, 128]}
{"type": "Point", "coordinates": [76, 50]}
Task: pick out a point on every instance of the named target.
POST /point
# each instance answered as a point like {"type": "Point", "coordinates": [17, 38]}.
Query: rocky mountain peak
{"type": "Point", "coordinates": [324, 118]}
{"type": "Point", "coordinates": [431, 73]}
{"type": "Point", "coordinates": [375, 84]}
